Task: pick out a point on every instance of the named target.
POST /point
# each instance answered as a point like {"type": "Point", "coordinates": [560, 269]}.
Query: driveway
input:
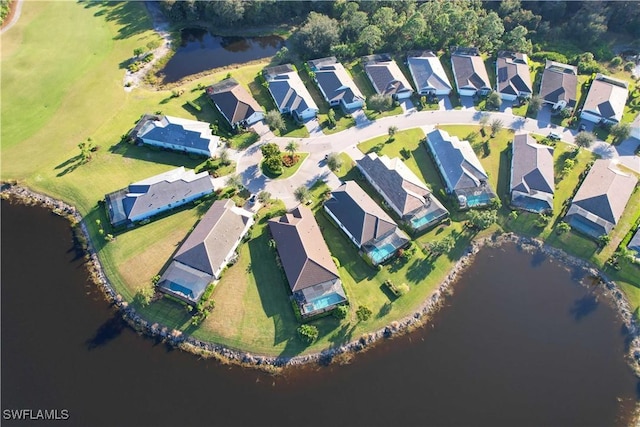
{"type": "Point", "coordinates": [444, 103]}
{"type": "Point", "coordinates": [313, 126]}
{"type": "Point", "coordinates": [467, 102]}
{"type": "Point", "coordinates": [544, 115]}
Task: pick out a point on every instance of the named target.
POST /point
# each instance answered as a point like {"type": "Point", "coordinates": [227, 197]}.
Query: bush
{"type": "Point", "coordinates": [364, 313]}
{"type": "Point", "coordinates": [308, 333]}
{"type": "Point", "coordinates": [551, 56]}
{"type": "Point", "coordinates": [629, 66]}
{"type": "Point", "coordinates": [340, 312]}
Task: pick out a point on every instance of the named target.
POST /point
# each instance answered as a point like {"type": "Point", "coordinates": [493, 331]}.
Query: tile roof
{"type": "Point", "coordinates": [406, 192]}
{"type": "Point", "coordinates": [305, 257]}
{"type": "Point", "coordinates": [334, 81]}
{"type": "Point", "coordinates": [288, 89]}
{"type": "Point", "coordinates": [427, 71]}
{"type": "Point", "coordinates": [183, 132]}
{"type": "Point", "coordinates": [532, 166]}
{"type": "Point", "coordinates": [385, 75]}
{"type": "Point", "coordinates": [233, 100]}
{"type": "Point", "coordinates": [513, 75]}
{"type": "Point", "coordinates": [607, 97]}
{"type": "Point", "coordinates": [469, 70]}
{"type": "Point", "coordinates": [359, 213]}
{"type": "Point", "coordinates": [559, 83]}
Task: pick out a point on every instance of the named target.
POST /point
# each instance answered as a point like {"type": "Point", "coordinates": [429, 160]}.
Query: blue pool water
{"type": "Point", "coordinates": [380, 254]}
{"type": "Point", "coordinates": [322, 302]}
{"type": "Point", "coordinates": [482, 199]}
{"type": "Point", "coordinates": [417, 223]}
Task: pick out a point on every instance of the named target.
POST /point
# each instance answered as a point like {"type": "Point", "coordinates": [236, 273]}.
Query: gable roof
{"type": "Point", "coordinates": [174, 130]}
{"type": "Point", "coordinates": [385, 75]}
{"type": "Point", "coordinates": [559, 83]}
{"type": "Point", "coordinates": [607, 97]}
{"type": "Point", "coordinates": [634, 244]}
{"type": "Point", "coordinates": [458, 161]}
{"type": "Point", "coordinates": [161, 190]}
{"type": "Point", "coordinates": [605, 191]}
{"type": "Point", "coordinates": [406, 192]}
{"type": "Point", "coordinates": [305, 257]}
{"type": "Point", "coordinates": [469, 70]}
{"type": "Point", "coordinates": [234, 101]}
{"type": "Point", "coordinates": [427, 71]}
{"type": "Point", "coordinates": [359, 213]}
{"type": "Point", "coordinates": [288, 90]}
{"type": "Point", "coordinates": [513, 75]}
{"type": "Point", "coordinates": [531, 166]}
{"type": "Point", "coordinates": [334, 81]}
{"type": "Point", "coordinates": [213, 238]}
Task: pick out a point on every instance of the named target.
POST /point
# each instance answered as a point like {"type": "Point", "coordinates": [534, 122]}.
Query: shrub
{"type": "Point", "coordinates": [629, 66]}
{"type": "Point", "coordinates": [562, 228]}
{"type": "Point", "coordinates": [340, 312]}
{"type": "Point", "coordinates": [308, 333]}
{"type": "Point", "coordinates": [364, 313]}
{"type": "Point", "coordinates": [616, 62]}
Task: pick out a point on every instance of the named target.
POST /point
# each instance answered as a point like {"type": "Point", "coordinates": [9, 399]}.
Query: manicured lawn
{"type": "Point", "coordinates": [343, 122]}
{"type": "Point", "coordinates": [288, 172]}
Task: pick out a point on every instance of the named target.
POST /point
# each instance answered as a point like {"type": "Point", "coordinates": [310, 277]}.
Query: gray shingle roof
{"type": "Point", "coordinates": [288, 90]}
{"type": "Point", "coordinates": [359, 213]}
{"type": "Point", "coordinates": [531, 166]}
{"type": "Point", "coordinates": [469, 70]}
{"type": "Point", "coordinates": [334, 81]}
{"type": "Point", "coordinates": [513, 75]}
{"type": "Point", "coordinates": [427, 71]}
{"type": "Point", "coordinates": [399, 185]}
{"type": "Point", "coordinates": [305, 257]}
{"type": "Point", "coordinates": [385, 75]}
{"type": "Point", "coordinates": [183, 132]}
{"type": "Point", "coordinates": [607, 97]}
{"type": "Point", "coordinates": [559, 82]}
{"type": "Point", "coordinates": [634, 244]}
{"type": "Point", "coordinates": [233, 100]}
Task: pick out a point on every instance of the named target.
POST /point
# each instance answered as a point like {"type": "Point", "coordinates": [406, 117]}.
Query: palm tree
{"type": "Point", "coordinates": [496, 125]}
{"type": "Point", "coordinates": [392, 131]}
{"type": "Point", "coordinates": [484, 120]}
{"type": "Point", "coordinates": [234, 181]}
{"type": "Point", "coordinates": [292, 147]}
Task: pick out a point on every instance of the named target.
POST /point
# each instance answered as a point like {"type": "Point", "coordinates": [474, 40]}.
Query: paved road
{"type": "Point", "coordinates": [318, 145]}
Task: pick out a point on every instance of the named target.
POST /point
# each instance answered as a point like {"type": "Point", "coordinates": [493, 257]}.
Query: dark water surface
{"type": "Point", "coordinates": [519, 344]}
{"type": "Point", "coordinates": [200, 51]}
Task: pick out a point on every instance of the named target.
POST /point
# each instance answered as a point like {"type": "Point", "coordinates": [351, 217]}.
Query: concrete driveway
{"type": "Point", "coordinates": [467, 102]}
{"type": "Point", "coordinates": [544, 115]}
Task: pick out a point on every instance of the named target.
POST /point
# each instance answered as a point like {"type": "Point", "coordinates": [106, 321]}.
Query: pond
{"type": "Point", "coordinates": [520, 342]}
{"type": "Point", "coordinates": [200, 51]}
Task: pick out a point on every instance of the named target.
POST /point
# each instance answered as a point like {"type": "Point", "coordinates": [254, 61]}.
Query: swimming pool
{"type": "Point", "coordinates": [322, 302]}
{"type": "Point", "coordinates": [380, 254]}
{"type": "Point", "coordinates": [420, 222]}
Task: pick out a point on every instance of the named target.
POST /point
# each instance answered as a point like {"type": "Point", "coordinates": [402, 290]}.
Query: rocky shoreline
{"type": "Point", "coordinates": [345, 352]}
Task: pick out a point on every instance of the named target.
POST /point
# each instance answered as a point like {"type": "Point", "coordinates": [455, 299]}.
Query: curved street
{"type": "Point", "coordinates": [314, 167]}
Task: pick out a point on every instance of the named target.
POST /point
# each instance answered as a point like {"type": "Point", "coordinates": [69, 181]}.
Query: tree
{"type": "Point", "coordinates": [282, 56]}
{"type": "Point", "coordinates": [143, 296]}
{"type": "Point", "coordinates": [264, 197]}
{"type": "Point", "coordinates": [483, 219]}
{"type": "Point", "coordinates": [340, 312]}
{"type": "Point", "coordinates": [584, 139]}
{"type": "Point", "coordinates": [138, 51]}
{"type": "Point", "coordinates": [302, 194]}
{"type": "Point", "coordinates": [334, 162]}
{"type": "Point", "coordinates": [441, 246]}
{"type": "Point", "coordinates": [273, 164]}
{"type": "Point", "coordinates": [620, 132]}
{"type": "Point", "coordinates": [308, 333]}
{"type": "Point", "coordinates": [535, 104]}
{"type": "Point", "coordinates": [386, 20]}
{"type": "Point", "coordinates": [292, 147]}
{"type": "Point", "coordinates": [494, 101]}
{"type": "Point", "coordinates": [496, 126]}
{"type": "Point", "coordinates": [224, 157]}
{"type": "Point", "coordinates": [379, 102]}
{"type": "Point", "coordinates": [392, 132]}
{"type": "Point", "coordinates": [370, 39]}
{"type": "Point", "coordinates": [275, 121]}
{"type": "Point", "coordinates": [317, 35]}
{"type": "Point", "coordinates": [331, 117]}
{"type": "Point", "coordinates": [86, 148]}
{"type": "Point", "coordinates": [491, 33]}
{"type": "Point", "coordinates": [604, 240]}
{"type": "Point", "coordinates": [235, 181]}
{"type": "Point", "coordinates": [484, 121]}
{"type": "Point", "coordinates": [270, 149]}
{"type": "Point", "coordinates": [363, 313]}
{"type": "Point", "coordinates": [516, 40]}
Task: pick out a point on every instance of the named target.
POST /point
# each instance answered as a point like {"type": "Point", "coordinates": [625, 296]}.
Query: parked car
{"type": "Point", "coordinates": [252, 199]}
{"type": "Point", "coordinates": [554, 136]}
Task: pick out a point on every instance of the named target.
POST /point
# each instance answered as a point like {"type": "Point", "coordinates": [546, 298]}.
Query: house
{"type": "Point", "coordinates": [365, 223]}
{"type": "Point", "coordinates": [336, 85]}
{"type": "Point", "coordinates": [532, 184]}
{"type": "Point", "coordinates": [513, 79]}
{"type": "Point", "coordinates": [289, 92]}
{"type": "Point", "coordinates": [210, 247]}
{"type": "Point", "coordinates": [601, 199]}
{"type": "Point", "coordinates": [559, 85]}
{"type": "Point", "coordinates": [312, 275]}
{"type": "Point", "coordinates": [461, 171]}
{"type": "Point", "coordinates": [149, 197]}
{"type": "Point", "coordinates": [235, 103]}
{"type": "Point", "coordinates": [174, 133]}
{"type": "Point", "coordinates": [427, 73]}
{"type": "Point", "coordinates": [469, 72]}
{"type": "Point", "coordinates": [635, 128]}
{"type": "Point", "coordinates": [605, 101]}
{"type": "Point", "coordinates": [634, 244]}
{"type": "Point", "coordinates": [404, 192]}
{"type": "Point", "coordinates": [386, 77]}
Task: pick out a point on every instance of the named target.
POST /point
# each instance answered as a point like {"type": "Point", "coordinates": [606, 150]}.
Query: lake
{"type": "Point", "coordinates": [200, 51]}
{"type": "Point", "coordinates": [519, 343]}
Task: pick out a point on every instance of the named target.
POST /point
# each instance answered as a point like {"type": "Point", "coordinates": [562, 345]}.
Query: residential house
{"type": "Point", "coordinates": [386, 77]}
{"type": "Point", "coordinates": [635, 128]}
{"type": "Point", "coordinates": [289, 92]}
{"type": "Point", "coordinates": [369, 227]}
{"type": "Point", "coordinates": [235, 103]}
{"type": "Point", "coordinates": [312, 275]}
{"type": "Point", "coordinates": [469, 72]}
{"type": "Point", "coordinates": [149, 197]}
{"type": "Point", "coordinates": [210, 247]}
{"type": "Point", "coordinates": [428, 75]}
{"type": "Point", "coordinates": [512, 76]}
{"type": "Point", "coordinates": [605, 101]}
{"type": "Point", "coordinates": [532, 184]}
{"type": "Point", "coordinates": [404, 192]}
{"type": "Point", "coordinates": [174, 133]}
{"type": "Point", "coordinates": [461, 171]}
{"type": "Point", "coordinates": [634, 244]}
{"type": "Point", "coordinates": [336, 85]}
{"type": "Point", "coordinates": [559, 85]}
{"type": "Point", "coordinates": [601, 199]}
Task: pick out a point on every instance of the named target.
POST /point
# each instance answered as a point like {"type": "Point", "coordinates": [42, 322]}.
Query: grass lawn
{"type": "Point", "coordinates": [288, 172]}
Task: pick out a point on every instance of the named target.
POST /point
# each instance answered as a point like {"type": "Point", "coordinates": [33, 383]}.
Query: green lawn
{"type": "Point", "coordinates": [288, 171]}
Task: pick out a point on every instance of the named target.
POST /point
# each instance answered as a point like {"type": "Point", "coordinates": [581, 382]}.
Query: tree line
{"type": "Point", "coordinates": [349, 28]}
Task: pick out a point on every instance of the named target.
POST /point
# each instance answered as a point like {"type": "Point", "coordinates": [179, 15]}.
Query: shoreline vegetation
{"type": "Point", "coordinates": [344, 353]}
